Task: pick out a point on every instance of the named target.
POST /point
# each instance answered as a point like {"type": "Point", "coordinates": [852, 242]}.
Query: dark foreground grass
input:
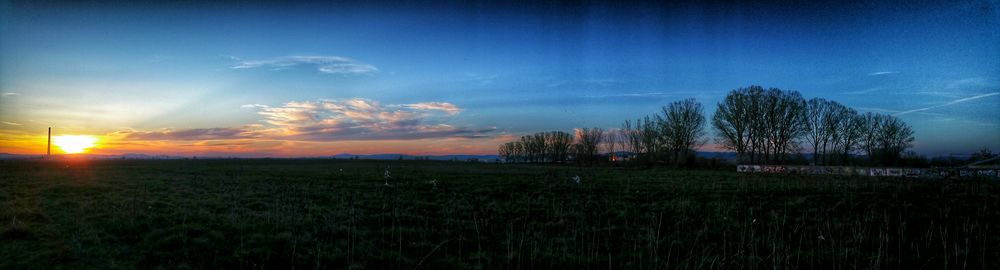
{"type": "Point", "coordinates": [327, 214]}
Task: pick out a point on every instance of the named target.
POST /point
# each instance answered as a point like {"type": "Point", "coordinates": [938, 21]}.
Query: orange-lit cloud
{"type": "Point", "coordinates": [441, 106]}
{"type": "Point", "coordinates": [301, 128]}
{"type": "Point", "coordinates": [364, 119]}
{"type": "Point", "coordinates": [192, 134]}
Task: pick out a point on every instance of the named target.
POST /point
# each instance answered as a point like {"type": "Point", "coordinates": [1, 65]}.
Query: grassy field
{"type": "Point", "coordinates": [337, 214]}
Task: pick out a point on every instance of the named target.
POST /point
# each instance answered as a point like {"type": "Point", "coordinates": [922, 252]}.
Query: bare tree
{"type": "Point", "coordinates": [527, 148]}
{"type": "Point", "coordinates": [553, 146]}
{"type": "Point", "coordinates": [758, 127]}
{"type": "Point", "coordinates": [559, 144]}
{"type": "Point", "coordinates": [731, 123]}
{"type": "Point", "coordinates": [505, 151]}
{"type": "Point", "coordinates": [818, 114]}
{"type": "Point", "coordinates": [589, 139]}
{"type": "Point", "coordinates": [785, 118]}
{"type": "Point", "coordinates": [895, 137]}
{"type": "Point", "coordinates": [886, 138]}
{"type": "Point", "coordinates": [539, 151]}
{"type": "Point", "coordinates": [761, 126]}
{"type": "Point", "coordinates": [622, 140]}
{"type": "Point", "coordinates": [681, 126]}
{"type": "Point", "coordinates": [871, 124]}
{"type": "Point", "coordinates": [633, 139]}
{"type": "Point", "coordinates": [651, 140]}
{"type": "Point", "coordinates": [508, 151]}
{"type": "Point", "coordinates": [847, 133]}
{"type": "Point", "coordinates": [611, 143]}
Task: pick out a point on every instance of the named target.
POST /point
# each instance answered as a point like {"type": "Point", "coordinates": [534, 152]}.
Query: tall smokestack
{"type": "Point", "coordinates": [48, 147]}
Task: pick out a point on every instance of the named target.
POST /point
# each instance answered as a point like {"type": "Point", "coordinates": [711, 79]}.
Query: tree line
{"type": "Point", "coordinates": [762, 126]}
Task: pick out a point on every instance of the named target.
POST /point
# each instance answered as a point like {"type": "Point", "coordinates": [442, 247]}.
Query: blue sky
{"type": "Point", "coordinates": [460, 77]}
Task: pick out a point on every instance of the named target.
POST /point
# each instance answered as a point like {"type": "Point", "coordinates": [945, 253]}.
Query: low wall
{"type": "Point", "coordinates": [871, 171]}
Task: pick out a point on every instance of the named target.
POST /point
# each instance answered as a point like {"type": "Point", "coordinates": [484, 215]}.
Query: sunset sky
{"type": "Point", "coordinates": [263, 79]}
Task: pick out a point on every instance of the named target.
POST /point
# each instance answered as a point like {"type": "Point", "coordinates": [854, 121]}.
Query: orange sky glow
{"type": "Point", "coordinates": [115, 144]}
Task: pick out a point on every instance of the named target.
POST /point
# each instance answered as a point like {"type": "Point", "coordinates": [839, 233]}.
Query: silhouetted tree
{"type": "Point", "coordinates": [784, 122]}
{"type": "Point", "coordinates": [681, 126]}
{"type": "Point", "coordinates": [589, 139]}
{"type": "Point", "coordinates": [818, 119]}
{"type": "Point", "coordinates": [642, 138]}
{"type": "Point", "coordinates": [559, 145]}
{"type": "Point", "coordinates": [760, 126]}
{"type": "Point", "coordinates": [633, 139]}
{"type": "Point", "coordinates": [550, 146]}
{"type": "Point", "coordinates": [847, 133]}
{"type": "Point", "coordinates": [527, 151]}
{"type": "Point", "coordinates": [519, 153]}
{"type": "Point", "coordinates": [733, 122]}
{"type": "Point", "coordinates": [506, 152]}
{"type": "Point", "coordinates": [869, 140]}
{"type": "Point", "coordinates": [885, 139]}
{"type": "Point", "coordinates": [763, 126]}
{"type": "Point", "coordinates": [650, 139]}
{"type": "Point", "coordinates": [982, 154]}
{"type": "Point", "coordinates": [538, 147]}
{"type": "Point", "coordinates": [896, 137]}
{"type": "Point", "coordinates": [612, 140]}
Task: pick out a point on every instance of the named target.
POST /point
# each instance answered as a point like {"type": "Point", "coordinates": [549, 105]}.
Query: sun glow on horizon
{"type": "Point", "coordinates": [75, 144]}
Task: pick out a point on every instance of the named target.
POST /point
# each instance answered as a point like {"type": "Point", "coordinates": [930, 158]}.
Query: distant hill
{"type": "Point", "coordinates": [16, 156]}
{"type": "Point", "coordinates": [722, 155]}
{"type": "Point", "coordinates": [411, 157]}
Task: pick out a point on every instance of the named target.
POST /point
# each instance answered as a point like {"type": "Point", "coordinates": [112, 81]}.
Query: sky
{"type": "Point", "coordinates": [259, 79]}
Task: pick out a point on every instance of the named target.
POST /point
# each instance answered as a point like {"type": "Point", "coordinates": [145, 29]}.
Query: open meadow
{"type": "Point", "coordinates": [339, 214]}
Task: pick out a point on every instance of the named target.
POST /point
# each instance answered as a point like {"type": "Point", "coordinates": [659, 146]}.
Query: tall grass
{"type": "Point", "coordinates": [323, 214]}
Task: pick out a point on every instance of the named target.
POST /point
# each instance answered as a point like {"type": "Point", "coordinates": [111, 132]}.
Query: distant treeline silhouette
{"type": "Point", "coordinates": [762, 126]}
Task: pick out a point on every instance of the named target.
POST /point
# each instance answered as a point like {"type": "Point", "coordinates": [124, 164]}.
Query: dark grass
{"type": "Point", "coordinates": [306, 214]}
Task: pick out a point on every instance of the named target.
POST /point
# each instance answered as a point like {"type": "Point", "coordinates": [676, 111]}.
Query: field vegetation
{"type": "Point", "coordinates": [347, 214]}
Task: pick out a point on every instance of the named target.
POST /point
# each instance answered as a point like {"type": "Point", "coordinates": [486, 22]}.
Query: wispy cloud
{"type": "Point", "coordinates": [327, 121]}
{"type": "Point", "coordinates": [882, 73]}
{"type": "Point", "coordinates": [940, 94]}
{"type": "Point", "coordinates": [654, 94]}
{"type": "Point", "coordinates": [944, 120]}
{"type": "Point", "coordinates": [888, 111]}
{"type": "Point", "coordinates": [876, 109]}
{"type": "Point", "coordinates": [865, 91]}
{"type": "Point", "coordinates": [198, 134]}
{"type": "Point", "coordinates": [953, 102]}
{"type": "Point", "coordinates": [440, 106]}
{"type": "Point", "coordinates": [590, 81]}
{"type": "Point", "coordinates": [253, 106]}
{"type": "Point", "coordinates": [364, 119]}
{"type": "Point", "coordinates": [324, 64]}
{"type": "Point", "coordinates": [482, 79]}
{"type": "Point", "coordinates": [10, 123]}
{"type": "Point", "coordinates": [974, 82]}
{"type": "Point", "coordinates": [8, 94]}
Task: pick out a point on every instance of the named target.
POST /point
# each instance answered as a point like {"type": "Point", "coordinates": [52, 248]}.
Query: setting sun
{"type": "Point", "coordinates": [74, 144]}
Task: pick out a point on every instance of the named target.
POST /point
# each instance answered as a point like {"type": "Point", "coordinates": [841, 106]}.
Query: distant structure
{"type": "Point", "coordinates": [977, 170]}
{"type": "Point", "coordinates": [48, 147]}
{"type": "Point", "coordinates": [989, 163]}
